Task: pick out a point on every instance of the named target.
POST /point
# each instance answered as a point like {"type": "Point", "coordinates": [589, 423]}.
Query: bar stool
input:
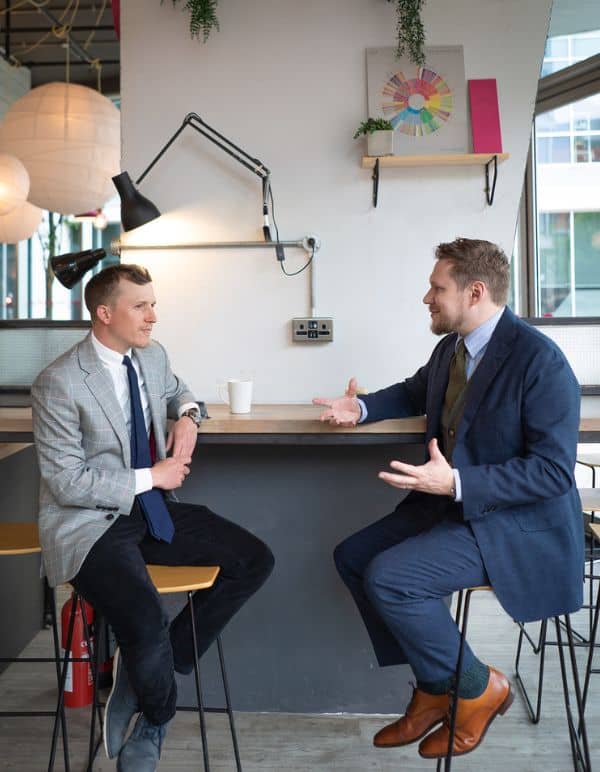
{"type": "Point", "coordinates": [22, 539]}
{"type": "Point", "coordinates": [590, 502]}
{"type": "Point", "coordinates": [589, 669]}
{"type": "Point", "coordinates": [577, 732]}
{"type": "Point", "coordinates": [188, 579]}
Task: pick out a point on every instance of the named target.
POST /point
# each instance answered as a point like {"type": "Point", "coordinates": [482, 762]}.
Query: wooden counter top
{"type": "Point", "coordinates": [287, 422]}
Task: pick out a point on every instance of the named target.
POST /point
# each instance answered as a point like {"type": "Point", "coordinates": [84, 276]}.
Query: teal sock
{"type": "Point", "coordinates": [473, 682]}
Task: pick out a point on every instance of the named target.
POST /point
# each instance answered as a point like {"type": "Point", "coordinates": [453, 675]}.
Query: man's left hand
{"type": "Point", "coordinates": [433, 477]}
{"type": "Point", "coordinates": [183, 437]}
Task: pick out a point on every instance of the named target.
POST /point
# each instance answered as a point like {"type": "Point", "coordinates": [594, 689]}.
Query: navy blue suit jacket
{"type": "Point", "coordinates": [515, 451]}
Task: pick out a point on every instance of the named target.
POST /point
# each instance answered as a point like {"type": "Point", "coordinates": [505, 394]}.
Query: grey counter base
{"type": "Point", "coordinates": [299, 645]}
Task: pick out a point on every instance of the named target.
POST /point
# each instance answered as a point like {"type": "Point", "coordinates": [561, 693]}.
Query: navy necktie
{"type": "Point", "coordinates": [151, 502]}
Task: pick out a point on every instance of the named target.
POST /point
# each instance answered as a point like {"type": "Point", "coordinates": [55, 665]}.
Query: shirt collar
{"type": "Point", "coordinates": [478, 338]}
{"type": "Point", "coordinates": [108, 355]}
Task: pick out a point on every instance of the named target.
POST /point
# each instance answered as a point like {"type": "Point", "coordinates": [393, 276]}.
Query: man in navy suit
{"type": "Point", "coordinates": [495, 503]}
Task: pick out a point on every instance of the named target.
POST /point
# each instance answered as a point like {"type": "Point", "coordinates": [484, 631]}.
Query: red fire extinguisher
{"type": "Point", "coordinates": [79, 684]}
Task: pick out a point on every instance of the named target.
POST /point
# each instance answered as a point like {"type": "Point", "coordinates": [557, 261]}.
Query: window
{"type": "Point", "coordinates": [27, 285]}
{"type": "Point", "coordinates": [561, 206]}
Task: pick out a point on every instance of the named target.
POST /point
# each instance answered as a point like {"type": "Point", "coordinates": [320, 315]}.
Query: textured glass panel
{"type": "Point", "coordinates": [25, 351]}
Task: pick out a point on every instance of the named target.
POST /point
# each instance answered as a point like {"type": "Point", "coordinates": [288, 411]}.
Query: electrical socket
{"type": "Point", "coordinates": [312, 329]}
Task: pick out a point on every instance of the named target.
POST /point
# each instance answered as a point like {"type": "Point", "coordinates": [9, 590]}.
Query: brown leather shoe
{"type": "Point", "coordinates": [473, 717]}
{"type": "Point", "coordinates": [424, 711]}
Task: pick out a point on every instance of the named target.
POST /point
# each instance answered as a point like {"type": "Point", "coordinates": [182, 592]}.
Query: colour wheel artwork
{"type": "Point", "coordinates": [417, 106]}
{"type": "Point", "coordinates": [426, 104]}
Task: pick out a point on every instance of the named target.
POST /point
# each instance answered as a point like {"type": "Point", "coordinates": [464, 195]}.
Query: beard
{"type": "Point", "coordinates": [441, 325]}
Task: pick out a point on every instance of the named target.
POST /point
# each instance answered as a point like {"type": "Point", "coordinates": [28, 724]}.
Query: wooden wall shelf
{"type": "Point", "coordinates": [447, 159]}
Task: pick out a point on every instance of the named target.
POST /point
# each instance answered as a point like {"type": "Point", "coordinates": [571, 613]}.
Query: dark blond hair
{"type": "Point", "coordinates": [101, 290]}
{"type": "Point", "coordinates": [477, 260]}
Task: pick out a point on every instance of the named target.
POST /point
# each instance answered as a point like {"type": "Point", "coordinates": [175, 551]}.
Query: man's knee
{"type": "Point", "coordinates": [345, 558]}
{"type": "Point", "coordinates": [385, 582]}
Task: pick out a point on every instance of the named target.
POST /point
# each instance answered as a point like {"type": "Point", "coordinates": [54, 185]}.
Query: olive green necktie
{"type": "Point", "coordinates": [457, 378]}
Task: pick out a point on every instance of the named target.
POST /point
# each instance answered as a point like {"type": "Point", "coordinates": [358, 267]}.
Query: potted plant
{"type": "Point", "coordinates": [380, 136]}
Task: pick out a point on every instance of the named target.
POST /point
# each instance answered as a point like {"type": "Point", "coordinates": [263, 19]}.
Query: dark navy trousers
{"type": "Point", "coordinates": [399, 570]}
{"type": "Point", "coordinates": [114, 579]}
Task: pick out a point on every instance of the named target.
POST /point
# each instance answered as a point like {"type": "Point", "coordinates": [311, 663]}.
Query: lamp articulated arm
{"type": "Point", "coordinates": [255, 165]}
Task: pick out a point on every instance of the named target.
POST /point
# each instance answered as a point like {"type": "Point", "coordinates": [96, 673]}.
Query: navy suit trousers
{"type": "Point", "coordinates": [399, 571]}
{"type": "Point", "coordinates": [114, 579]}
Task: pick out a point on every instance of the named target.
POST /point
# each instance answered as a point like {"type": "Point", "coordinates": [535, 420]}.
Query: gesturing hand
{"type": "Point", "coordinates": [433, 477]}
{"type": "Point", "coordinates": [342, 411]}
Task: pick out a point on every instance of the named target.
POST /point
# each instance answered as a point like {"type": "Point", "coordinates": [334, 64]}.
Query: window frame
{"type": "Point", "coordinates": [571, 84]}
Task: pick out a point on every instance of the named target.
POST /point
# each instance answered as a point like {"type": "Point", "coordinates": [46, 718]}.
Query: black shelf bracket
{"type": "Point", "coordinates": [375, 178]}
{"type": "Point", "coordinates": [489, 192]}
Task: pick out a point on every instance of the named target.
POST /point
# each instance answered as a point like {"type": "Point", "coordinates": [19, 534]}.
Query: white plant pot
{"type": "Point", "coordinates": [380, 143]}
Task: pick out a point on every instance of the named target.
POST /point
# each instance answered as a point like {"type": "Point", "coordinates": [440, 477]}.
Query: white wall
{"type": "Point", "coordinates": [287, 81]}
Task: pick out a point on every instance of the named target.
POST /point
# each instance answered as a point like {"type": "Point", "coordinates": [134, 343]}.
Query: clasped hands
{"type": "Point", "coordinates": [434, 477]}
{"type": "Point", "coordinates": [181, 440]}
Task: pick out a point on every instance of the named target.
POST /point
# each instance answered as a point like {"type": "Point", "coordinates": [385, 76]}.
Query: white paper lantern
{"type": "Point", "coordinates": [14, 183]}
{"type": "Point", "coordinates": [68, 138]}
{"type": "Point", "coordinates": [20, 224]}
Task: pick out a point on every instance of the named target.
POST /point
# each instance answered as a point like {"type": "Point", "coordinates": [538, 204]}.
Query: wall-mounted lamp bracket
{"type": "Point", "coordinates": [375, 178]}
{"type": "Point", "coordinates": [309, 244]}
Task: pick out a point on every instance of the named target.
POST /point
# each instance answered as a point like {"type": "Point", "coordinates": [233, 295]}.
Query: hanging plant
{"type": "Point", "coordinates": [411, 35]}
{"type": "Point", "coordinates": [203, 17]}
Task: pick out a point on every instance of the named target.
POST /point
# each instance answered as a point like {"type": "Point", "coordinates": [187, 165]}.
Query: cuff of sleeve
{"type": "Point", "coordinates": [143, 481]}
{"type": "Point", "coordinates": [457, 485]}
{"type": "Point", "coordinates": [363, 410]}
{"type": "Point", "coordinates": [187, 406]}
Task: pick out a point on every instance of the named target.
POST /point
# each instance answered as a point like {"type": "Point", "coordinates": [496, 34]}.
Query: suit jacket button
{"type": "Point", "coordinates": [110, 517]}
{"type": "Point", "coordinates": [451, 432]}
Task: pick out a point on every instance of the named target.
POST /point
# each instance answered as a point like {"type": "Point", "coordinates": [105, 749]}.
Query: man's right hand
{"type": "Point", "coordinates": [343, 411]}
{"type": "Point", "coordinates": [170, 472]}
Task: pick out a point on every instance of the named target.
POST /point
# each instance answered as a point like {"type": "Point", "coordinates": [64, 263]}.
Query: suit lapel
{"type": "Point", "coordinates": [155, 393]}
{"type": "Point", "coordinates": [100, 384]}
{"type": "Point", "coordinates": [438, 389]}
{"type": "Point", "coordinates": [497, 351]}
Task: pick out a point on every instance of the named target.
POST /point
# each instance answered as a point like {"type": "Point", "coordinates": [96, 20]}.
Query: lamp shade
{"type": "Point", "coordinates": [14, 183]}
{"type": "Point", "coordinates": [70, 268]}
{"type": "Point", "coordinates": [68, 138]}
{"type": "Point", "coordinates": [136, 209]}
{"type": "Point", "coordinates": [19, 224]}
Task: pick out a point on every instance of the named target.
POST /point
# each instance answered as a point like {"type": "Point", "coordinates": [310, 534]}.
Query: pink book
{"type": "Point", "coordinates": [485, 116]}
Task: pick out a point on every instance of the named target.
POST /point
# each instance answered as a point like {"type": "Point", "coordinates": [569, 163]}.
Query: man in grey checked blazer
{"type": "Point", "coordinates": [93, 530]}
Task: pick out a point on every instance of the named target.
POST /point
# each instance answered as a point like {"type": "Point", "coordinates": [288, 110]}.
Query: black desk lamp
{"type": "Point", "coordinates": [70, 268]}
{"type": "Point", "coordinates": [138, 210]}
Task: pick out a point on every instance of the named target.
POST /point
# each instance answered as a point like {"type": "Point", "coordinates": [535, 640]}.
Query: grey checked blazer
{"type": "Point", "coordinates": [83, 449]}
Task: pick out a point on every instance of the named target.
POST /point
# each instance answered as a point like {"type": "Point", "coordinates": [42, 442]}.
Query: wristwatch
{"type": "Point", "coordinates": [194, 414]}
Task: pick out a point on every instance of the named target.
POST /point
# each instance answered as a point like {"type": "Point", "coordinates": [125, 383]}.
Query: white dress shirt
{"type": "Point", "coordinates": [113, 362]}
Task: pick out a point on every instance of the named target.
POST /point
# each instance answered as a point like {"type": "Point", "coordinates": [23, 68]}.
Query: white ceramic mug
{"type": "Point", "coordinates": [238, 395]}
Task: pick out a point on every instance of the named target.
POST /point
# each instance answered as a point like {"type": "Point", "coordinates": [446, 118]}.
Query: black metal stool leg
{"type": "Point", "coordinates": [201, 714]}
{"type": "Point", "coordinates": [61, 688]}
{"type": "Point", "coordinates": [540, 649]}
{"type": "Point", "coordinates": [55, 638]}
{"type": "Point", "coordinates": [590, 658]}
{"type": "Point", "coordinates": [236, 749]}
{"type": "Point", "coordinates": [94, 651]}
{"type": "Point", "coordinates": [579, 747]}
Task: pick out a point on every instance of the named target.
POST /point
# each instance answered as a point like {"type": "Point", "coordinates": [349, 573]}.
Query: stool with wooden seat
{"type": "Point", "coordinates": [577, 732]}
{"type": "Point", "coordinates": [22, 539]}
{"type": "Point", "coordinates": [189, 579]}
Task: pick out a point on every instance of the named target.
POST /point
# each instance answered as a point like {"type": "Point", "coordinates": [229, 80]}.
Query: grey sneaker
{"type": "Point", "coordinates": [141, 752]}
{"type": "Point", "coordinates": [121, 706]}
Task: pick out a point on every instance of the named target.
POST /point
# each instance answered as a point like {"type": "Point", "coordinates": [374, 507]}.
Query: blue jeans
{"type": "Point", "coordinates": [399, 570]}
{"type": "Point", "coordinates": [113, 578]}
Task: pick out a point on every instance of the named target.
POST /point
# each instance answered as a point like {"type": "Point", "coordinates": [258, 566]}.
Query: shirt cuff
{"type": "Point", "coordinates": [457, 485]}
{"type": "Point", "coordinates": [363, 410]}
{"type": "Point", "coordinates": [143, 481]}
{"type": "Point", "coordinates": [188, 406]}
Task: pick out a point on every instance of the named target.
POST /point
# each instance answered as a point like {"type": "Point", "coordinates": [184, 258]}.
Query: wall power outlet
{"type": "Point", "coordinates": [312, 329]}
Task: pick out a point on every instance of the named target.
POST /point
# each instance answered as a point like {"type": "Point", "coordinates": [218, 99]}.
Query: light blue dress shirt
{"type": "Point", "coordinates": [475, 346]}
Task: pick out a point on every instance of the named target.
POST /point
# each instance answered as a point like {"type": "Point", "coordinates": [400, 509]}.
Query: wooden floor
{"type": "Point", "coordinates": [300, 742]}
